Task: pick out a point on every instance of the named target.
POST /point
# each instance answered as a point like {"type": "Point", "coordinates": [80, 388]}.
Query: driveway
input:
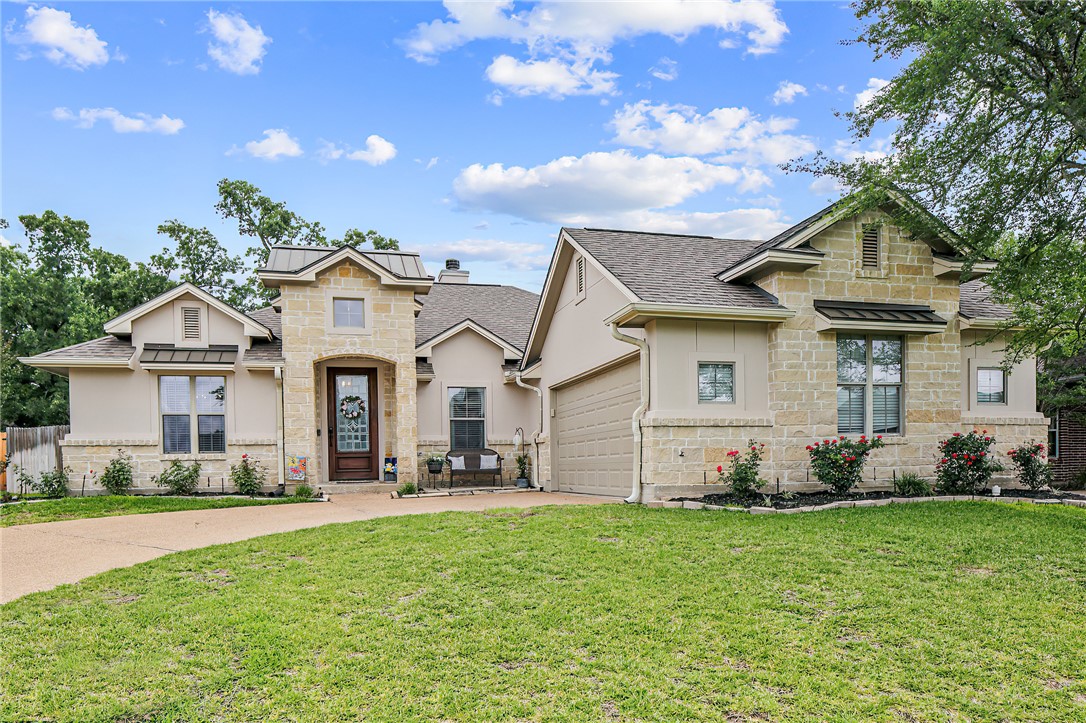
{"type": "Point", "coordinates": [40, 557]}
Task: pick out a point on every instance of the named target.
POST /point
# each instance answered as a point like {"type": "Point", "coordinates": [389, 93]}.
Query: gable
{"type": "Point", "coordinates": [123, 324]}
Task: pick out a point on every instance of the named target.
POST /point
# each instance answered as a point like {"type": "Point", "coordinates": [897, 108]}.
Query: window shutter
{"type": "Point", "coordinates": [870, 246]}
{"type": "Point", "coordinates": [190, 323]}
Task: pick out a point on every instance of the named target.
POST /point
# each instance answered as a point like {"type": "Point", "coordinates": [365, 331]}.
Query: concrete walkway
{"type": "Point", "coordinates": [40, 557]}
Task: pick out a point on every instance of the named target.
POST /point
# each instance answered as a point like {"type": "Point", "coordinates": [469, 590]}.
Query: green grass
{"type": "Point", "coordinates": [77, 508]}
{"type": "Point", "coordinates": [933, 612]}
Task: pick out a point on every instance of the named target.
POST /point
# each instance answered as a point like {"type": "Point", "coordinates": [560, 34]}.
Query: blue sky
{"type": "Point", "coordinates": [468, 130]}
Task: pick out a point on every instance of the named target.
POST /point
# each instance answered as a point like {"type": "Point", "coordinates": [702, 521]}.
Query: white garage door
{"type": "Point", "coordinates": [595, 437]}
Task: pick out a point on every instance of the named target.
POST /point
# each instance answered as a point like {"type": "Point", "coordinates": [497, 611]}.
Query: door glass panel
{"type": "Point", "coordinates": [352, 412]}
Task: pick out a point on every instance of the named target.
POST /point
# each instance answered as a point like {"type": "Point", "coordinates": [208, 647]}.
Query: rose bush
{"type": "Point", "coordinates": [742, 477]}
{"type": "Point", "coordinates": [839, 462]}
{"type": "Point", "coordinates": [966, 464]}
{"type": "Point", "coordinates": [1030, 466]}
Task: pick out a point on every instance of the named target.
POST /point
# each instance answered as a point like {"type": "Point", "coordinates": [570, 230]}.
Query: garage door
{"type": "Point", "coordinates": [595, 438]}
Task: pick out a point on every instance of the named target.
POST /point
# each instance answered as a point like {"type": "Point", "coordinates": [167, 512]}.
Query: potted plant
{"type": "Point", "coordinates": [435, 463]}
{"type": "Point", "coordinates": [522, 461]}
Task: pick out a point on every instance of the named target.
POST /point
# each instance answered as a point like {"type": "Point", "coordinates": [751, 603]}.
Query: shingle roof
{"type": "Point", "coordinates": [262, 350]}
{"type": "Point", "coordinates": [424, 369]}
{"type": "Point", "coordinates": [673, 269]}
{"type": "Point", "coordinates": [505, 311]}
{"type": "Point", "coordinates": [105, 348]}
{"type": "Point", "coordinates": [976, 302]}
{"type": "Point", "coordinates": [288, 259]}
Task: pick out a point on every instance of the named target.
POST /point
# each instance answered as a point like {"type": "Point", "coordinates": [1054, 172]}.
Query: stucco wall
{"type": "Point", "coordinates": [307, 341]}
{"type": "Point", "coordinates": [119, 407]}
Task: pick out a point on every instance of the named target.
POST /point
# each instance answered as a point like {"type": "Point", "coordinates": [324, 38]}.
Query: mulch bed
{"type": "Point", "coordinates": [812, 499]}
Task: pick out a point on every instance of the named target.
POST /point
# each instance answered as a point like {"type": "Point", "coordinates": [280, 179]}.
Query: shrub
{"type": "Point", "coordinates": [522, 461]}
{"type": "Point", "coordinates": [52, 484]}
{"type": "Point", "coordinates": [248, 476]}
{"type": "Point", "coordinates": [839, 463]}
{"type": "Point", "coordinates": [911, 485]}
{"type": "Point", "coordinates": [1030, 466]}
{"type": "Point", "coordinates": [117, 477]}
{"type": "Point", "coordinates": [180, 479]}
{"type": "Point", "coordinates": [303, 491]}
{"type": "Point", "coordinates": [743, 475]}
{"type": "Point", "coordinates": [23, 480]}
{"type": "Point", "coordinates": [407, 488]}
{"type": "Point", "coordinates": [966, 465]}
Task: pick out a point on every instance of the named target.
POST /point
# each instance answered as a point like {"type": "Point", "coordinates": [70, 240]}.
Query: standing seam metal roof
{"type": "Point", "coordinates": [291, 259]}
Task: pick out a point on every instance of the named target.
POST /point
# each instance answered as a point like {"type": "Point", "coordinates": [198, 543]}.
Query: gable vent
{"type": "Point", "coordinates": [190, 323]}
{"type": "Point", "coordinates": [580, 275]}
{"type": "Point", "coordinates": [870, 246]}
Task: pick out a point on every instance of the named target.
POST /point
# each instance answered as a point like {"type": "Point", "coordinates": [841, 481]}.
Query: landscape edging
{"type": "Point", "coordinates": [691, 505]}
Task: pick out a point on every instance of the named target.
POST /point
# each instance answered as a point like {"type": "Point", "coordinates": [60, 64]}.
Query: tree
{"type": "Point", "coordinates": [354, 237]}
{"type": "Point", "coordinates": [201, 260]}
{"type": "Point", "coordinates": [260, 217]}
{"type": "Point", "coordinates": [987, 123]}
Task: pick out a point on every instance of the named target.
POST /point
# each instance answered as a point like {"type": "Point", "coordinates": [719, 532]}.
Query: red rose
{"type": "Point", "coordinates": [720, 468]}
{"type": "Point", "coordinates": [942, 461]}
{"type": "Point", "coordinates": [753, 449]}
{"type": "Point", "coordinates": [816, 444]}
{"type": "Point", "coordinates": [825, 441]}
{"type": "Point", "coordinates": [878, 436]}
{"type": "Point", "coordinates": [245, 456]}
{"type": "Point", "coordinates": [809, 448]}
{"type": "Point", "coordinates": [957, 434]}
{"type": "Point", "coordinates": [969, 463]}
{"type": "Point", "coordinates": [954, 455]}
{"type": "Point", "coordinates": [987, 439]}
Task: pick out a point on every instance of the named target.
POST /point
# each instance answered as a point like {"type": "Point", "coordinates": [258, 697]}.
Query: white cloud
{"type": "Point", "coordinates": [238, 46]}
{"type": "Point", "coordinates": [787, 92]}
{"type": "Point", "coordinates": [585, 189]}
{"type": "Point", "coordinates": [377, 152]}
{"type": "Point", "coordinates": [877, 148]}
{"type": "Point", "coordinates": [553, 77]}
{"type": "Point", "coordinates": [431, 163]}
{"type": "Point", "coordinates": [665, 69]}
{"type": "Point", "coordinates": [138, 123]}
{"type": "Point", "coordinates": [751, 223]}
{"type": "Point", "coordinates": [61, 40]}
{"type": "Point", "coordinates": [581, 34]}
{"type": "Point", "coordinates": [513, 255]}
{"type": "Point", "coordinates": [276, 144]}
{"type": "Point", "coordinates": [737, 133]}
{"type": "Point", "coordinates": [874, 85]}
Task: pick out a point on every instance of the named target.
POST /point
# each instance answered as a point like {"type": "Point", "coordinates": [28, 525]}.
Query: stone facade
{"type": "Point", "coordinates": [308, 347]}
{"type": "Point", "coordinates": [86, 459]}
{"type": "Point", "coordinates": [504, 447]}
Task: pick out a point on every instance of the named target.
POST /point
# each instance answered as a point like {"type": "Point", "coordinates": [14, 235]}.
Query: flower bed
{"type": "Point", "coordinates": [811, 501]}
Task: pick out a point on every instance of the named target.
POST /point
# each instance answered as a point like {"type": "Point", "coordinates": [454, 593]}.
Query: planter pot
{"type": "Point", "coordinates": [435, 467]}
{"type": "Point", "coordinates": [523, 483]}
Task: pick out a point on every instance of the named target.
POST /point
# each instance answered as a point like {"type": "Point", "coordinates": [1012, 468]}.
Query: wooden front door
{"type": "Point", "coordinates": [353, 444]}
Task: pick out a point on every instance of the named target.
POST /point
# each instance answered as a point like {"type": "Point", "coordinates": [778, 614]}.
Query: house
{"type": "Point", "coordinates": [1067, 432]}
{"type": "Point", "coordinates": [646, 358]}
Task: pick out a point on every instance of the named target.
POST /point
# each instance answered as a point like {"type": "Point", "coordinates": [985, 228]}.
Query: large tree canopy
{"type": "Point", "coordinates": [987, 129]}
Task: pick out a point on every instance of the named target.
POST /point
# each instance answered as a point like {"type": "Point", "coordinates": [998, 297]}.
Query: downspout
{"type": "Point", "coordinates": [635, 495]}
{"type": "Point", "coordinates": [280, 431]}
{"type": "Point", "coordinates": [535, 436]}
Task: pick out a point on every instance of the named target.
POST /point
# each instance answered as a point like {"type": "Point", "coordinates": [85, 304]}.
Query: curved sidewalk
{"type": "Point", "coordinates": [42, 556]}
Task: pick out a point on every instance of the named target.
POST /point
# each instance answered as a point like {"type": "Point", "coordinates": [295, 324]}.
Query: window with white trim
{"type": "Point", "coordinates": [348, 313]}
{"type": "Point", "coordinates": [870, 377]}
{"type": "Point", "coordinates": [991, 386]}
{"type": "Point", "coordinates": [716, 383]}
{"type": "Point", "coordinates": [182, 430]}
{"type": "Point", "coordinates": [1054, 435]}
{"type": "Point", "coordinates": [467, 417]}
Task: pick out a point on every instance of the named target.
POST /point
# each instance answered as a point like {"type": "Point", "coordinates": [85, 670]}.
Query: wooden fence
{"type": "Point", "coordinates": [33, 450]}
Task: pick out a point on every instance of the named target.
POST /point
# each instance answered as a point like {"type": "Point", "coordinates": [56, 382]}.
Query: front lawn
{"type": "Point", "coordinates": [929, 612]}
{"type": "Point", "coordinates": [77, 508]}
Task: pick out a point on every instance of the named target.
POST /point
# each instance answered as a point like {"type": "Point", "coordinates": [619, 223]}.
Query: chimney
{"type": "Point", "coordinates": [452, 273]}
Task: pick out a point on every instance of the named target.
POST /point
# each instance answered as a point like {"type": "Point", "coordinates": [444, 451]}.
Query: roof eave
{"type": "Point", "coordinates": [986, 323]}
{"type": "Point", "coordinates": [122, 324]}
{"type": "Point", "coordinates": [639, 314]}
{"type": "Point", "coordinates": [767, 262]}
{"type": "Point", "coordinates": [944, 268]}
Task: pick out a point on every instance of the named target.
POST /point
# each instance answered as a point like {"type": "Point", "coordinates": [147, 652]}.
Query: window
{"type": "Point", "coordinates": [190, 322]}
{"type": "Point", "coordinates": [348, 313]}
{"type": "Point", "coordinates": [870, 246]}
{"type": "Point", "coordinates": [467, 417]}
{"type": "Point", "coordinates": [178, 397]}
{"type": "Point", "coordinates": [869, 384]}
{"type": "Point", "coordinates": [991, 386]}
{"type": "Point", "coordinates": [1054, 435]}
{"type": "Point", "coordinates": [716, 383]}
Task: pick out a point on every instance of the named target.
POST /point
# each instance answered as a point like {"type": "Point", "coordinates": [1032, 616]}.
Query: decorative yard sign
{"type": "Point", "coordinates": [296, 468]}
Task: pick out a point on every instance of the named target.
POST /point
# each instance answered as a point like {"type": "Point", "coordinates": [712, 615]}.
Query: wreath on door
{"type": "Point", "coordinates": [352, 407]}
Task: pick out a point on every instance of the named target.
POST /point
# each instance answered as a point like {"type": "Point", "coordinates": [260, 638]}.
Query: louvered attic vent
{"type": "Point", "coordinates": [190, 323]}
{"type": "Point", "coordinates": [870, 246]}
{"type": "Point", "coordinates": [580, 275]}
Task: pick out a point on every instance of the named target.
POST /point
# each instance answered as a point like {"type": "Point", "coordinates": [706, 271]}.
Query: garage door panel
{"type": "Point", "coordinates": [595, 438]}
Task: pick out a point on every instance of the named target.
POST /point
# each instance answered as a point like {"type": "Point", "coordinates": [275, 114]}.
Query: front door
{"type": "Point", "coordinates": [352, 437]}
